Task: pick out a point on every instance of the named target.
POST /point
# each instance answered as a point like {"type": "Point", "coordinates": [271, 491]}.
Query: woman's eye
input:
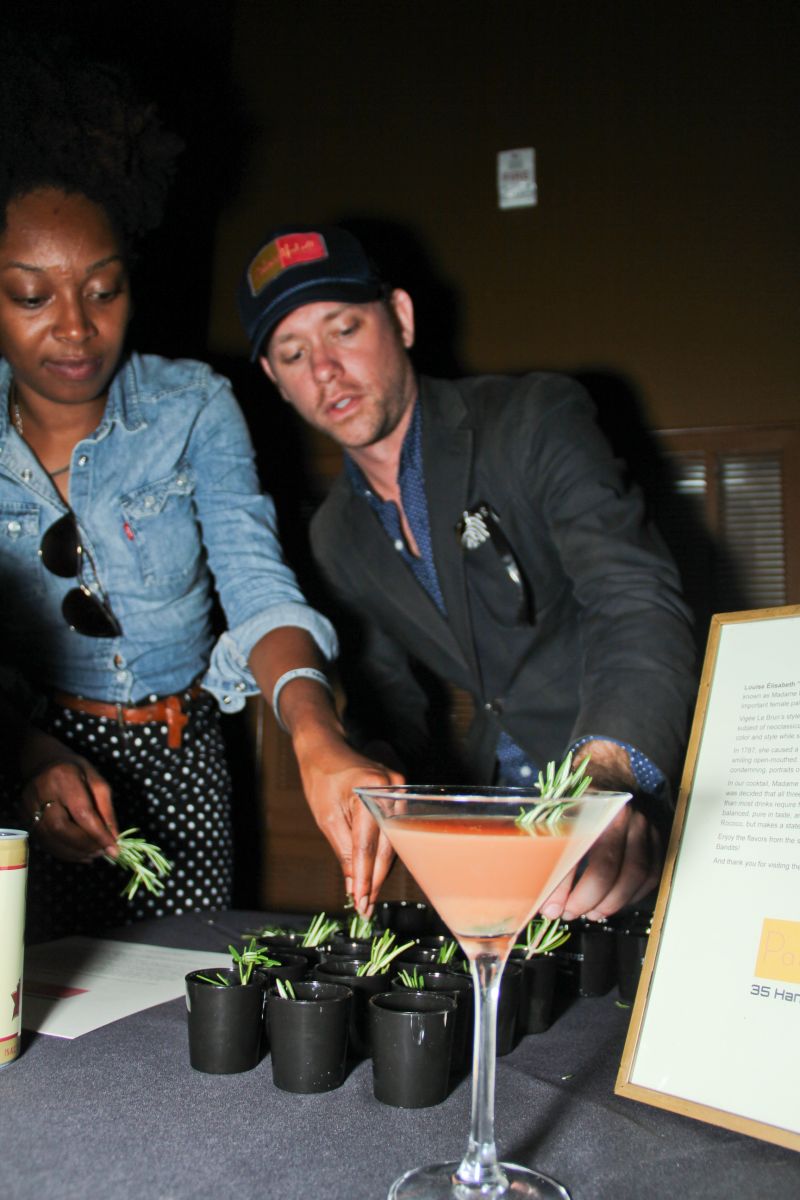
{"type": "Point", "coordinates": [104, 295]}
{"type": "Point", "coordinates": [347, 330]}
{"type": "Point", "coordinates": [30, 301]}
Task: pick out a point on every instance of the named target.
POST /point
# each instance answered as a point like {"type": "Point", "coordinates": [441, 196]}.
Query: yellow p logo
{"type": "Point", "coordinates": [779, 951]}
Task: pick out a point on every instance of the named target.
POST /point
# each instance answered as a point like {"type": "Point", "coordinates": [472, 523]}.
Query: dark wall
{"type": "Point", "coordinates": [663, 251]}
{"type": "Point", "coordinates": [664, 248]}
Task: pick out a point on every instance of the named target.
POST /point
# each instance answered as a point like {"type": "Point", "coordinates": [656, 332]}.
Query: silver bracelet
{"type": "Point", "coordinates": [287, 677]}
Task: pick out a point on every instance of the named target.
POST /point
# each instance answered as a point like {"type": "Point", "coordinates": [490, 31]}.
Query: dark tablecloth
{"type": "Point", "coordinates": [120, 1114]}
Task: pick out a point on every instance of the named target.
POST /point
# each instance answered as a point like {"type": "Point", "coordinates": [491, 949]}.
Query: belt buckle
{"type": "Point", "coordinates": [176, 719]}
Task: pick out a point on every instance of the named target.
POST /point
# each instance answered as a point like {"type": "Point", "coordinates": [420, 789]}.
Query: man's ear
{"type": "Point", "coordinates": [267, 369]}
{"type": "Point", "coordinates": [270, 374]}
{"type": "Point", "coordinates": [403, 307]}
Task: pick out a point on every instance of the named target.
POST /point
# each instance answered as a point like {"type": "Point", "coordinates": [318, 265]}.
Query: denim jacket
{"type": "Point", "coordinates": [168, 501]}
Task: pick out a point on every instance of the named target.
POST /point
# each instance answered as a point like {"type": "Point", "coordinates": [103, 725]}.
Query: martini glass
{"type": "Point", "coordinates": [486, 858]}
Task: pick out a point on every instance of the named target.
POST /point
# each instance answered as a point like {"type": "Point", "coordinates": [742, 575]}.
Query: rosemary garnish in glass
{"type": "Point", "coordinates": [245, 960]}
{"type": "Point", "coordinates": [559, 790]}
{"type": "Point", "coordinates": [543, 935]}
{"type": "Point", "coordinates": [220, 981]}
{"type": "Point", "coordinates": [447, 951]}
{"type": "Point", "coordinates": [320, 929]}
{"type": "Point", "coordinates": [266, 931]}
{"type": "Point", "coordinates": [382, 953]}
{"type": "Point", "coordinates": [360, 927]}
{"type": "Point", "coordinates": [411, 979]}
{"type": "Point", "coordinates": [249, 957]}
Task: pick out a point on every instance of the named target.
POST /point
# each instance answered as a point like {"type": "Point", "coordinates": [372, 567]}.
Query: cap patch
{"type": "Point", "coordinates": [282, 253]}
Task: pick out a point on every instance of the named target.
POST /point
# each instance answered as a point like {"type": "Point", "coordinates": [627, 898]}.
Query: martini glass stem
{"type": "Point", "coordinates": [479, 1173]}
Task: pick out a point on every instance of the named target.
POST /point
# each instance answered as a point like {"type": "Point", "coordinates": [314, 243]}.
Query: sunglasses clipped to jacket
{"type": "Point", "coordinates": [62, 552]}
{"type": "Point", "coordinates": [481, 526]}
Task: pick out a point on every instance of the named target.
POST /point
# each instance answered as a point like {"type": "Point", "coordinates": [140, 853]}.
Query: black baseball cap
{"type": "Point", "coordinates": [296, 265]}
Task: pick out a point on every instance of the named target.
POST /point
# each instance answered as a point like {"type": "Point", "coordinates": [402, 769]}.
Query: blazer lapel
{"type": "Point", "coordinates": [385, 574]}
{"type": "Point", "coordinates": [447, 455]}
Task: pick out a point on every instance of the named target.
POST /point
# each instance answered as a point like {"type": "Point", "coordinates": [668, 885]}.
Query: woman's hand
{"type": "Point", "coordinates": [66, 802]}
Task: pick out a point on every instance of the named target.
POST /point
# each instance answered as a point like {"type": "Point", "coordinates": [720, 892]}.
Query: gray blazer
{"type": "Point", "coordinates": [605, 645]}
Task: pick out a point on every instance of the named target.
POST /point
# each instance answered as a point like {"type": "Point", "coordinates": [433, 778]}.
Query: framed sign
{"type": "Point", "coordinates": [715, 1030]}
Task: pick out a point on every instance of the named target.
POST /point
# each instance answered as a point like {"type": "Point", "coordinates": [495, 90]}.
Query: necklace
{"type": "Point", "coordinates": [17, 415]}
{"type": "Point", "coordinates": [17, 419]}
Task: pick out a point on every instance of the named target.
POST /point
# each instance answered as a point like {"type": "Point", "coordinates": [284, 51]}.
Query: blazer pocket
{"type": "Point", "coordinates": [498, 589]}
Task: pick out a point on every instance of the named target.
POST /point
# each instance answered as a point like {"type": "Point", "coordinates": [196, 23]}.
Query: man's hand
{"type": "Point", "coordinates": [624, 864]}
{"type": "Point", "coordinates": [66, 802]}
{"type": "Point", "coordinates": [330, 770]}
{"type": "Point", "coordinates": [329, 767]}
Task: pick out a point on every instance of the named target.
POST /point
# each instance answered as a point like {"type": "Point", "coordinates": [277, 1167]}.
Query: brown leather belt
{"type": "Point", "coordinates": [166, 710]}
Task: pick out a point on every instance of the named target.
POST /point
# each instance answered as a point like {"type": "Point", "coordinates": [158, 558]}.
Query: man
{"type": "Point", "coordinates": [482, 532]}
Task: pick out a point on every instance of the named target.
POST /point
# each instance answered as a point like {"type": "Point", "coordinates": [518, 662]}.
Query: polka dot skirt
{"type": "Point", "coordinates": [179, 799]}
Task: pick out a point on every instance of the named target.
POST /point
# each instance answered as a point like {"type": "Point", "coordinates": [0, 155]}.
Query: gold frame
{"type": "Point", "coordinates": [637, 1030]}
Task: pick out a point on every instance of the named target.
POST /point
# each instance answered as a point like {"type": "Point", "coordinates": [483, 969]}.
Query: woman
{"type": "Point", "coordinates": [127, 492]}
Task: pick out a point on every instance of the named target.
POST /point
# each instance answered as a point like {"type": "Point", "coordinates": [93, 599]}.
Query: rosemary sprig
{"type": "Point", "coordinates": [360, 927]}
{"type": "Point", "coordinates": [245, 960]}
{"type": "Point", "coordinates": [543, 935]}
{"type": "Point", "coordinates": [266, 931]}
{"type": "Point", "coordinates": [220, 981]}
{"type": "Point", "coordinates": [249, 957]}
{"type": "Point", "coordinates": [285, 989]}
{"type": "Point", "coordinates": [447, 951]}
{"type": "Point", "coordinates": [320, 929]}
{"type": "Point", "coordinates": [559, 789]}
{"type": "Point", "coordinates": [411, 979]}
{"type": "Point", "coordinates": [382, 952]}
{"type": "Point", "coordinates": [148, 865]}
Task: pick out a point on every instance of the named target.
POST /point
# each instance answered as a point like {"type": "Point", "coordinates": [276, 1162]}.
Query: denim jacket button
{"type": "Point", "coordinates": [226, 699]}
{"type": "Point", "coordinates": [83, 459]}
{"type": "Point", "coordinates": [240, 686]}
{"type": "Point", "coordinates": [26, 474]}
{"type": "Point", "coordinates": [14, 528]}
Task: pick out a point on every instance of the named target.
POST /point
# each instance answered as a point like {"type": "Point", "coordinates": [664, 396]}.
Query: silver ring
{"type": "Point", "coordinates": [37, 816]}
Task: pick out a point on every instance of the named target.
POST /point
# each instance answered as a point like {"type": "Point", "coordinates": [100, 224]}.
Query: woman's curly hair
{"type": "Point", "coordinates": [78, 126]}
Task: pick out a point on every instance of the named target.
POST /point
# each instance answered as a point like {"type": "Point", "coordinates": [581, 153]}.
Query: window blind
{"type": "Point", "coordinates": [725, 508]}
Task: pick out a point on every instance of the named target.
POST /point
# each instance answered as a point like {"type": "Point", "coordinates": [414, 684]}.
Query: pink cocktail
{"type": "Point", "coordinates": [486, 858]}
